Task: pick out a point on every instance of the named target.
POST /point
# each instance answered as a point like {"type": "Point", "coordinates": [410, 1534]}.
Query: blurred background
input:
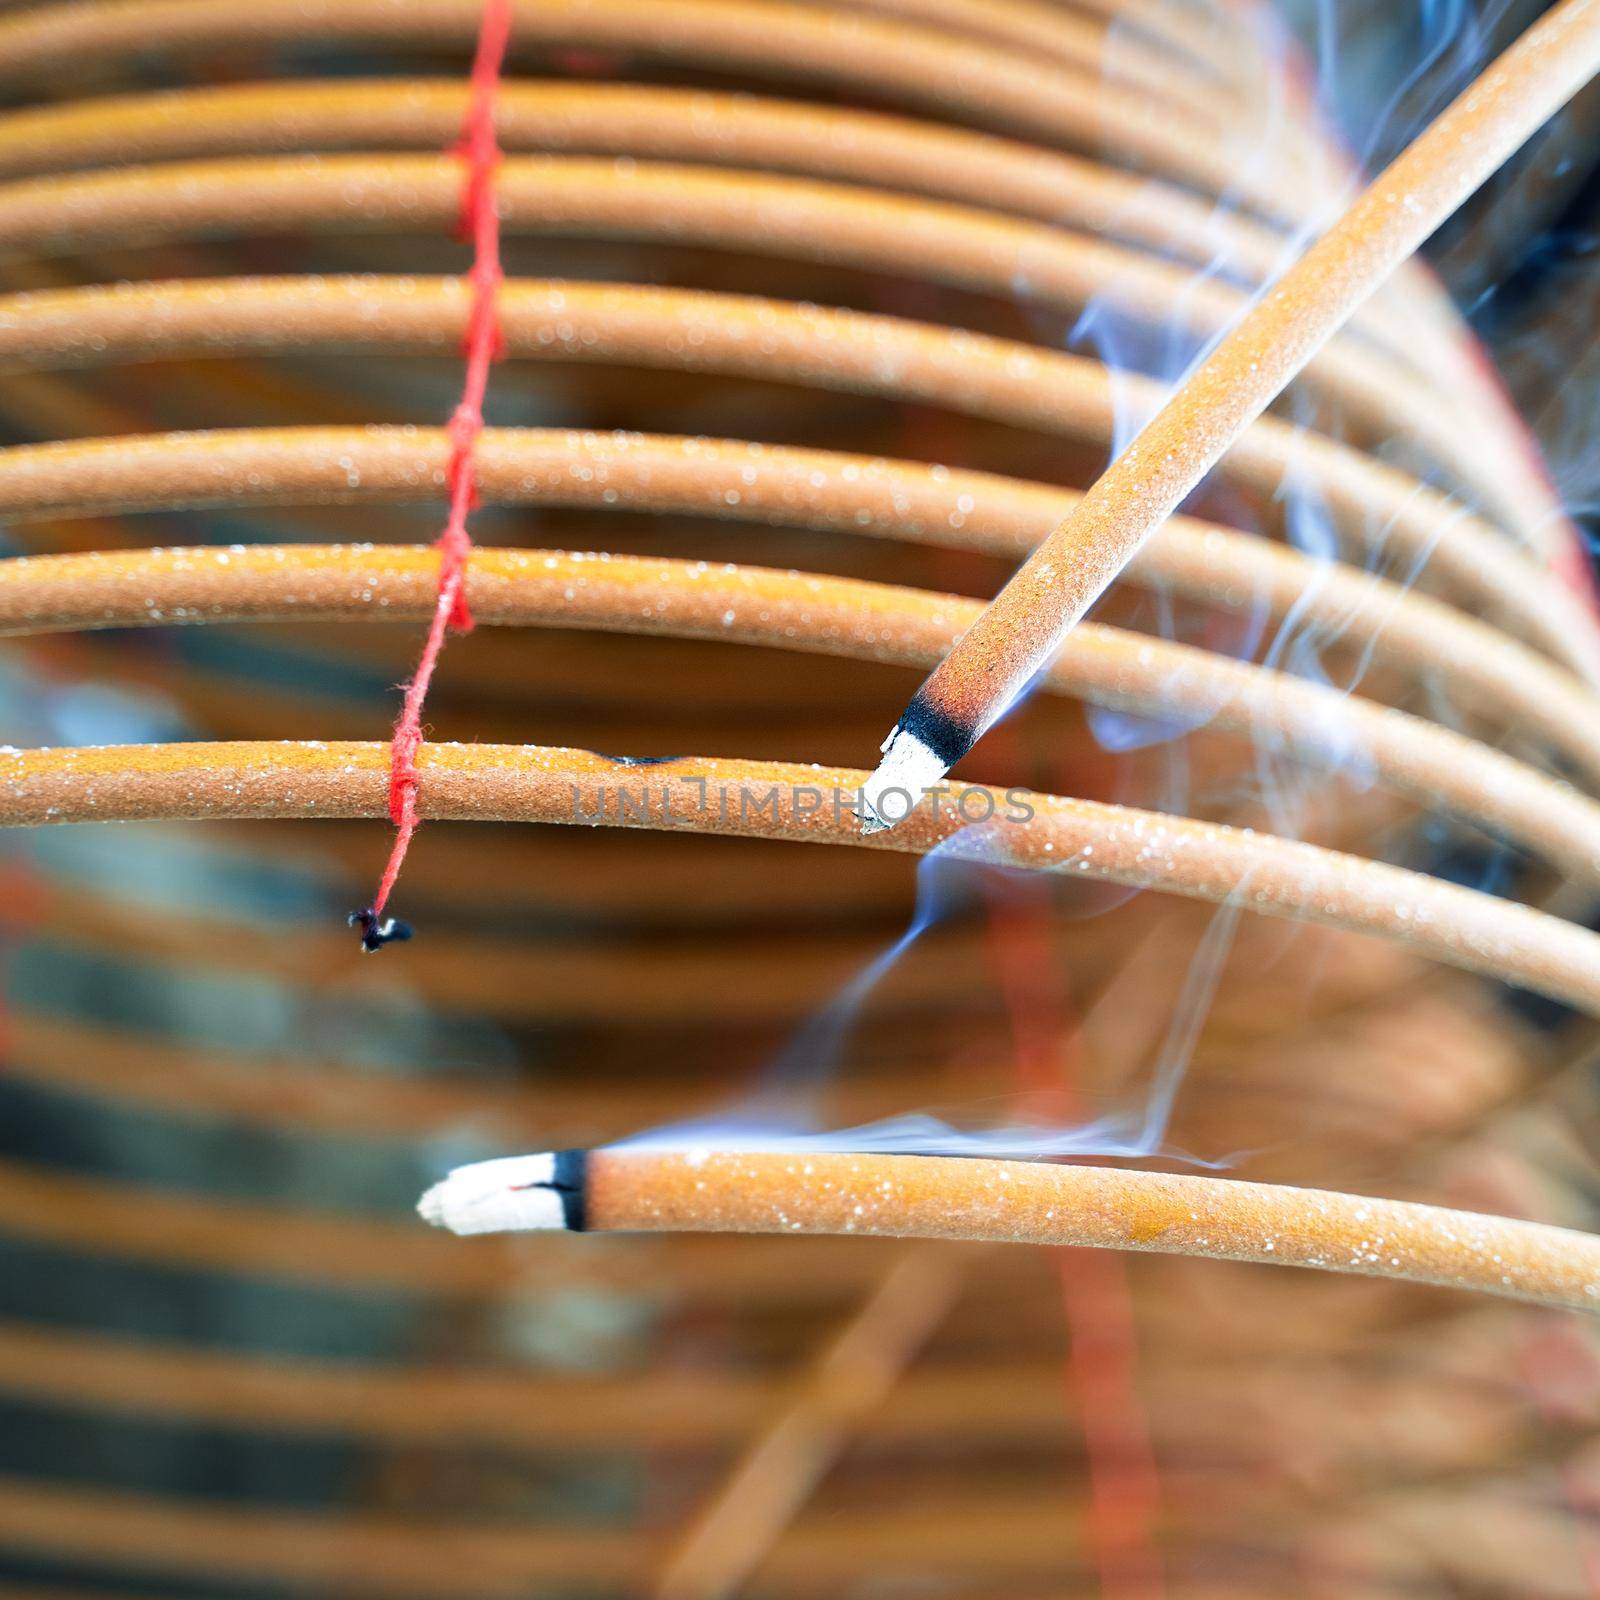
{"type": "Point", "coordinates": [234, 1365]}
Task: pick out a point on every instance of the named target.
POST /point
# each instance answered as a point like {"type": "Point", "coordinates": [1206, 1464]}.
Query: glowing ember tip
{"type": "Point", "coordinates": [909, 769]}
{"type": "Point", "coordinates": [512, 1193]}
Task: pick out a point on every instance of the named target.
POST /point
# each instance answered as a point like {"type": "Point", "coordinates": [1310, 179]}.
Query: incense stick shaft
{"type": "Point", "coordinates": [1015, 638]}
{"type": "Point", "coordinates": [939, 1197]}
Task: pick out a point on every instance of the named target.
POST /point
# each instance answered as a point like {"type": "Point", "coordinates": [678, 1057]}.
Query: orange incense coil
{"type": "Point", "coordinates": [771, 800]}
{"type": "Point", "coordinates": [620, 324]}
{"type": "Point", "coordinates": [929, 67]}
{"type": "Point", "coordinates": [746, 212]}
{"type": "Point", "coordinates": [781, 317]}
{"type": "Point", "coordinates": [807, 489]}
{"type": "Point", "coordinates": [833, 616]}
{"type": "Point", "coordinates": [944, 1197]}
{"type": "Point", "coordinates": [830, 142]}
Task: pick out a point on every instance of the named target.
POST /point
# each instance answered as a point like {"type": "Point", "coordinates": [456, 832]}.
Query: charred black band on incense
{"type": "Point", "coordinates": [950, 1197]}
{"type": "Point", "coordinates": [1015, 639]}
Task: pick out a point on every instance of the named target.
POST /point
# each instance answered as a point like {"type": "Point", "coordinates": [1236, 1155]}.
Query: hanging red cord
{"type": "Point", "coordinates": [24, 901]}
{"type": "Point", "coordinates": [479, 150]}
{"type": "Point", "coordinates": [1102, 1367]}
{"type": "Point", "coordinates": [1102, 1332]}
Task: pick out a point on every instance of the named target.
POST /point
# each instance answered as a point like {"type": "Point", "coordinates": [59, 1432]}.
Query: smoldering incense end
{"type": "Point", "coordinates": [638, 1190]}
{"type": "Point", "coordinates": [909, 769]}
{"type": "Point", "coordinates": [514, 1193]}
{"type": "Point", "coordinates": [1021, 630]}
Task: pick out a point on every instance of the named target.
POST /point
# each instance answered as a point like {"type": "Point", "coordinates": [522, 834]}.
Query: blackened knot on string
{"type": "Point", "coordinates": [378, 930]}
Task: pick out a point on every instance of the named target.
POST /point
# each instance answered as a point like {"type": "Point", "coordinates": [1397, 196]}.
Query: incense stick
{"type": "Point", "coordinates": [1001, 654]}
{"type": "Point", "coordinates": [750, 212]}
{"type": "Point", "coordinates": [1145, 676]}
{"type": "Point", "coordinates": [1382, 512]}
{"type": "Point", "coordinates": [1087, 839]}
{"type": "Point", "coordinates": [820, 490]}
{"type": "Point", "coordinates": [942, 1197]}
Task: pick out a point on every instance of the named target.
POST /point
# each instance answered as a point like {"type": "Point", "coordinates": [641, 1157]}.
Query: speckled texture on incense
{"type": "Point", "coordinates": [532, 783]}
{"type": "Point", "coordinates": [961, 76]}
{"type": "Point", "coordinates": [1037, 1203]}
{"type": "Point", "coordinates": [867, 621]}
{"type": "Point", "coordinates": [822, 141]}
{"type": "Point", "coordinates": [802, 488]}
{"type": "Point", "coordinates": [831, 349]}
{"type": "Point", "coordinates": [830, 141]}
{"type": "Point", "coordinates": [962, 247]}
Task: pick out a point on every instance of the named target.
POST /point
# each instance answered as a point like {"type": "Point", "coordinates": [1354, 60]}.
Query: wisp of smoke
{"type": "Point", "coordinates": [781, 1112]}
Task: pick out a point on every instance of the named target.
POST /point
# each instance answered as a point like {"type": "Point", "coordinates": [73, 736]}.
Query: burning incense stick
{"type": "Point", "coordinates": [1489, 672]}
{"type": "Point", "coordinates": [1087, 839]}
{"type": "Point", "coordinates": [942, 1197]}
{"type": "Point", "coordinates": [1370, 504]}
{"type": "Point", "coordinates": [1014, 640]}
{"type": "Point", "coordinates": [838, 616]}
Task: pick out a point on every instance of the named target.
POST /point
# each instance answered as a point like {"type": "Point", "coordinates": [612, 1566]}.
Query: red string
{"type": "Point", "coordinates": [1102, 1331]}
{"type": "Point", "coordinates": [24, 901]}
{"type": "Point", "coordinates": [479, 150]}
{"type": "Point", "coordinates": [1557, 1358]}
{"type": "Point", "coordinates": [1102, 1368]}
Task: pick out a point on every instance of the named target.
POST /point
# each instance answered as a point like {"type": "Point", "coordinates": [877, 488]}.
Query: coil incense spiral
{"type": "Point", "coordinates": [792, 367]}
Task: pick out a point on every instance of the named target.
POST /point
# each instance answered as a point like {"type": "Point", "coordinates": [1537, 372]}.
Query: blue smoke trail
{"type": "Point", "coordinates": [781, 1113]}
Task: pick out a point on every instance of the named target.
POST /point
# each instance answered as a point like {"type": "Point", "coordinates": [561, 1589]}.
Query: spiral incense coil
{"type": "Point", "coordinates": [749, 346]}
